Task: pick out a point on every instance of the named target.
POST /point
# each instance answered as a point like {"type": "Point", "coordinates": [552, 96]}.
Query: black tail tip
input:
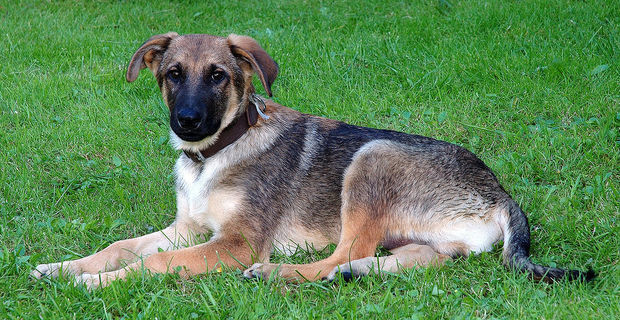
{"type": "Point", "coordinates": [582, 276]}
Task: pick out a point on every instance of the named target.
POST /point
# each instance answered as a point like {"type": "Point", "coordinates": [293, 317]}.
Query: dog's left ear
{"type": "Point", "coordinates": [149, 55]}
{"type": "Point", "coordinates": [249, 50]}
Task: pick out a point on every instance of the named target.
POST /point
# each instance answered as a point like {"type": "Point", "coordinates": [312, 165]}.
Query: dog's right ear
{"type": "Point", "coordinates": [149, 55]}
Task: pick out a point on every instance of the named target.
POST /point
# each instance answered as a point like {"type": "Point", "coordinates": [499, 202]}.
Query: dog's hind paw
{"type": "Point", "coordinates": [353, 269]}
{"type": "Point", "coordinates": [263, 271]}
{"type": "Point", "coordinates": [255, 271]}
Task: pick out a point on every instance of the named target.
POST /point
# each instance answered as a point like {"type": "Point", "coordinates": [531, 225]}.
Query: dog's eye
{"type": "Point", "coordinates": [174, 75]}
{"type": "Point", "coordinates": [217, 76]}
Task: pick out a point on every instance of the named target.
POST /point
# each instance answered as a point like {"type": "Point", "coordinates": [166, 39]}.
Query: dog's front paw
{"type": "Point", "coordinates": [51, 270]}
{"type": "Point", "coordinates": [90, 281]}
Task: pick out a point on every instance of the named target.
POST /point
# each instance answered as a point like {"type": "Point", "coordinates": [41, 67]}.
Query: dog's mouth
{"type": "Point", "coordinates": [196, 134]}
{"type": "Point", "coordinates": [189, 136]}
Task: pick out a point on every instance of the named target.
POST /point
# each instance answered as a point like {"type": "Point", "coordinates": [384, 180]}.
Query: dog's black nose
{"type": "Point", "coordinates": [188, 118]}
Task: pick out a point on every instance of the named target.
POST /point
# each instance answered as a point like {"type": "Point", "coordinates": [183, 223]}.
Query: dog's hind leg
{"type": "Point", "coordinates": [121, 252]}
{"type": "Point", "coordinates": [405, 257]}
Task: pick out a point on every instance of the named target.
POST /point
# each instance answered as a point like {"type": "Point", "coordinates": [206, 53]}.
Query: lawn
{"type": "Point", "coordinates": [532, 87]}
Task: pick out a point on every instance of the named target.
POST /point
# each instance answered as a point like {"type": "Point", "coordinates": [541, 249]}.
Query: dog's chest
{"type": "Point", "coordinates": [200, 200]}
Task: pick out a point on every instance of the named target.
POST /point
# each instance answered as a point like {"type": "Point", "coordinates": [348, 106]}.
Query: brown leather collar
{"type": "Point", "coordinates": [229, 135]}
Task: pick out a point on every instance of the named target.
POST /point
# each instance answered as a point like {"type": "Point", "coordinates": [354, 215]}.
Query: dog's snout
{"type": "Point", "coordinates": [188, 119]}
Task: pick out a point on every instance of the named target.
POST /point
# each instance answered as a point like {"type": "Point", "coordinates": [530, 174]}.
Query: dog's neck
{"type": "Point", "coordinates": [231, 133]}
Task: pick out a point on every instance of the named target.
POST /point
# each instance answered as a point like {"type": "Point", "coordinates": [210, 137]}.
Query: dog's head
{"type": "Point", "coordinates": [205, 80]}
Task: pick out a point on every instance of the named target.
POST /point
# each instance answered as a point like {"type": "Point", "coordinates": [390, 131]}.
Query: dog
{"type": "Point", "coordinates": [261, 176]}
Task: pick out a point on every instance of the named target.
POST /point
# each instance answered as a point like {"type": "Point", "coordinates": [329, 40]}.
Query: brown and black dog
{"type": "Point", "coordinates": [259, 175]}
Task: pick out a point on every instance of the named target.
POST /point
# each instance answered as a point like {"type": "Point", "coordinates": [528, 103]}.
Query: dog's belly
{"type": "Point", "coordinates": [293, 238]}
{"type": "Point", "coordinates": [451, 237]}
{"type": "Point", "coordinates": [470, 236]}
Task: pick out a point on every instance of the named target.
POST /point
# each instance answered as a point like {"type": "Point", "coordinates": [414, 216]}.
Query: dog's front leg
{"type": "Point", "coordinates": [231, 251]}
{"type": "Point", "coordinates": [124, 251]}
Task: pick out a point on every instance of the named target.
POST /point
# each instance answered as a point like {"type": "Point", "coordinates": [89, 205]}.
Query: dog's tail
{"type": "Point", "coordinates": [517, 250]}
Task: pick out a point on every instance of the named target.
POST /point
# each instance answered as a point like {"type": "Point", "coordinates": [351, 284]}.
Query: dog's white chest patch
{"type": "Point", "coordinates": [199, 201]}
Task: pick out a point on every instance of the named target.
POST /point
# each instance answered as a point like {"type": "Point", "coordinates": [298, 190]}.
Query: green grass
{"type": "Point", "coordinates": [532, 87]}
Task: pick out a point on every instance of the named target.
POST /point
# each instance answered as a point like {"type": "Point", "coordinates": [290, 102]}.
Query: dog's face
{"type": "Point", "coordinates": [205, 80]}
